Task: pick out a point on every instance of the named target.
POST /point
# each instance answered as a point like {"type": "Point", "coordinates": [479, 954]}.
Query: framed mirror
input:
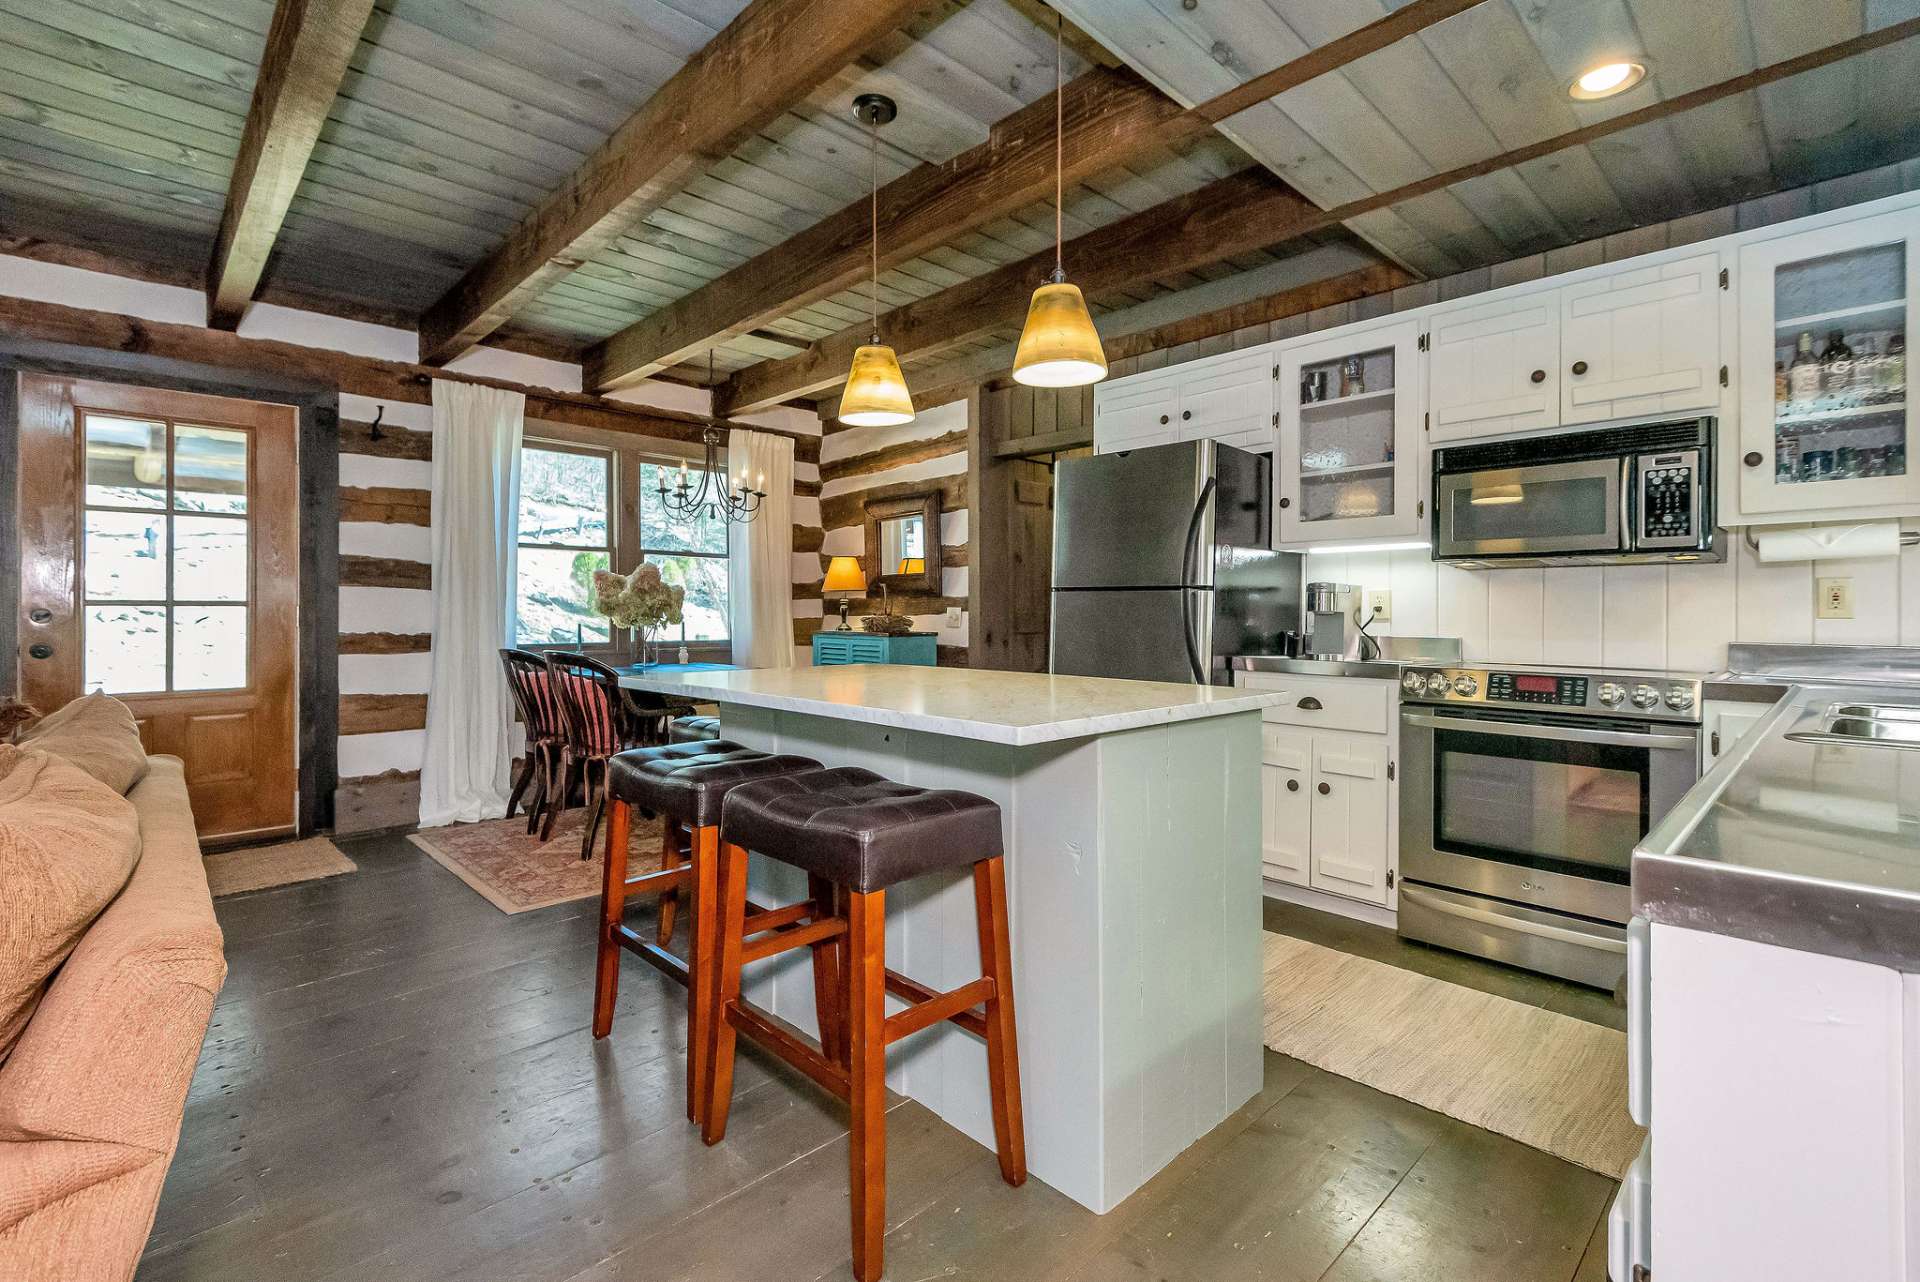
{"type": "Point", "coordinates": [903, 544]}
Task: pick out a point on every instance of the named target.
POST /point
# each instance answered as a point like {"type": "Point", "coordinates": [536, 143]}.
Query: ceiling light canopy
{"type": "Point", "coordinates": [1607, 79]}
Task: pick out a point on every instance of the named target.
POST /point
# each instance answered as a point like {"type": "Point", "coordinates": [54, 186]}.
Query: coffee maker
{"type": "Point", "coordinates": [1332, 631]}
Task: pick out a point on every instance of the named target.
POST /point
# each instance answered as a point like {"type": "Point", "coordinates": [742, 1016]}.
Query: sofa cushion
{"type": "Point", "coordinates": [97, 733]}
{"type": "Point", "coordinates": [67, 845]}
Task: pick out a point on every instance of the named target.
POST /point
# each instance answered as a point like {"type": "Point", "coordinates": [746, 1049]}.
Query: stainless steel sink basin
{"type": "Point", "coordinates": [1877, 711]}
{"type": "Point", "coordinates": [1882, 725]}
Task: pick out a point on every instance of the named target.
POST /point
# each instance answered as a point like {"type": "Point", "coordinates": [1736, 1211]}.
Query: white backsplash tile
{"type": "Point", "coordinates": [1700, 605]}
{"type": "Point", "coordinates": [1634, 626]}
{"type": "Point", "coordinates": [1876, 603]}
{"type": "Point", "coordinates": [1516, 616]}
{"type": "Point", "coordinates": [1462, 610]}
{"type": "Point", "coordinates": [1572, 608]}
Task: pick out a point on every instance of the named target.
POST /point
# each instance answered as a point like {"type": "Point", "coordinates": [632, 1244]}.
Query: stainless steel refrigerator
{"type": "Point", "coordinates": [1163, 568]}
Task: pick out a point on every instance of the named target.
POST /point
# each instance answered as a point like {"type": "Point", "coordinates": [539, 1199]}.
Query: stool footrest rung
{"type": "Point", "coordinates": [765, 946]}
{"type": "Point", "coordinates": [669, 964]}
{"type": "Point", "coordinates": [943, 1006]}
{"type": "Point", "coordinates": [789, 1045]}
{"type": "Point", "coordinates": [660, 880]}
{"type": "Point", "coordinates": [914, 991]}
{"type": "Point", "coordinates": [762, 919]}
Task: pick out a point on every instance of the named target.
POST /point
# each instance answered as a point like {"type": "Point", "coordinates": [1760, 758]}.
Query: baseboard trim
{"type": "Point", "coordinates": [1372, 914]}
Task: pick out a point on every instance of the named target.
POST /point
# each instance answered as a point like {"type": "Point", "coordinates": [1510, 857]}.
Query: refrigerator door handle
{"type": "Point", "coordinates": [1186, 578]}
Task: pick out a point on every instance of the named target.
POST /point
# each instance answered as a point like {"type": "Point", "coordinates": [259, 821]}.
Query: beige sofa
{"type": "Point", "coordinates": [92, 1095]}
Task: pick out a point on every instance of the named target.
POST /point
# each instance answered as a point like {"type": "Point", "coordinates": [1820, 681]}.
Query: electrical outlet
{"type": "Point", "coordinates": [953, 616]}
{"type": "Point", "coordinates": [1833, 598]}
{"type": "Point", "coordinates": [1380, 605]}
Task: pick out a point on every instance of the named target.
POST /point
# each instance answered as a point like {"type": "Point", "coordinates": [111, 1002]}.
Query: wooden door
{"type": "Point", "coordinates": [1350, 799]}
{"type": "Point", "coordinates": [159, 563]}
{"type": "Point", "coordinates": [1286, 803]}
{"type": "Point", "coordinates": [1494, 367]}
{"type": "Point", "coordinates": [1643, 341]}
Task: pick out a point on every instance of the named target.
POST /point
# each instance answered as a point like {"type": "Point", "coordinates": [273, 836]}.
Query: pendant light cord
{"type": "Point", "coordinates": [873, 188]}
{"type": "Point", "coordinates": [1059, 146]}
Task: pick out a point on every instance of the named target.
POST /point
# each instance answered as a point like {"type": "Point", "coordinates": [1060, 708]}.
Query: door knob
{"type": "Point", "coordinates": [39, 614]}
{"type": "Point", "coordinates": [1579, 367]}
{"type": "Point", "coordinates": [1539, 376]}
{"type": "Point", "coordinates": [1752, 458]}
{"type": "Point", "coordinates": [40, 650]}
{"type": "Point", "coordinates": [1325, 789]}
{"type": "Point", "coordinates": [1293, 785]}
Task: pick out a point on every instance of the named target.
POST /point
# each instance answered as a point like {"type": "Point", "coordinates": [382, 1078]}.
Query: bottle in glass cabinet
{"type": "Point", "coordinates": [1836, 364]}
{"type": "Point", "coordinates": [1781, 389]}
{"type": "Point", "coordinates": [1803, 376]}
{"type": "Point", "coordinates": [1866, 369]}
{"type": "Point", "coordinates": [1893, 366]}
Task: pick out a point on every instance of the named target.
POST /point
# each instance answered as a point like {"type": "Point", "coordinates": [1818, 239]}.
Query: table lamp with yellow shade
{"type": "Point", "coordinates": [845, 577]}
{"type": "Point", "coordinates": [912, 565]}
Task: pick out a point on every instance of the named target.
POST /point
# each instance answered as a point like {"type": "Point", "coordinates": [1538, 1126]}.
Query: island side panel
{"type": "Point", "coordinates": [1180, 938]}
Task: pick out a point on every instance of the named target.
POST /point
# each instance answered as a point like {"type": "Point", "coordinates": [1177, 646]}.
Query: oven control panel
{"type": "Point", "coordinates": [1643, 695]}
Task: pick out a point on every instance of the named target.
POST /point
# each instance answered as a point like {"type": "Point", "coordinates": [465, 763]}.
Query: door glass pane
{"type": "Point", "coordinates": [1556, 805]}
{"type": "Point", "coordinates": [563, 498]}
{"type": "Point", "coordinates": [126, 462]}
{"type": "Point", "coordinates": [126, 556]}
{"type": "Point", "coordinates": [1840, 366]}
{"type": "Point", "coordinates": [704, 613]}
{"type": "Point", "coordinates": [555, 603]}
{"type": "Point", "coordinates": [209, 647]}
{"type": "Point", "coordinates": [1570, 507]}
{"type": "Point", "coordinates": [659, 528]}
{"type": "Point", "coordinates": [209, 470]}
{"type": "Point", "coordinates": [1346, 437]}
{"type": "Point", "coordinates": [126, 649]}
{"type": "Point", "coordinates": [209, 558]}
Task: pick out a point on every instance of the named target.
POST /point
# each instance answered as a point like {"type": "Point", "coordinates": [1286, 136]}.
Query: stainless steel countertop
{"type": "Point", "coordinates": [1396, 653]}
{"type": "Point", "coordinates": [1814, 846]}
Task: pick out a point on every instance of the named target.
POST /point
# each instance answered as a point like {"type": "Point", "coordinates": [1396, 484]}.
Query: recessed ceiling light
{"type": "Point", "coordinates": [1607, 79]}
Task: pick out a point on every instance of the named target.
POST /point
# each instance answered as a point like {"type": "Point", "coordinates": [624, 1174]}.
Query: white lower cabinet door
{"type": "Point", "coordinates": [1286, 816]}
{"type": "Point", "coordinates": [1348, 850]}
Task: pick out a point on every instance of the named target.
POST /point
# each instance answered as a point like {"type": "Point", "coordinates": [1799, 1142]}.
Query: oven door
{"type": "Point", "coordinates": [1535, 809]}
{"type": "Point", "coordinates": [1554, 509]}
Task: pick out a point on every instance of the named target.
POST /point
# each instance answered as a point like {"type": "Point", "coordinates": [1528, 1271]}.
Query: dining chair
{"type": "Point", "coordinates": [599, 722]}
{"type": "Point", "coordinates": [546, 733]}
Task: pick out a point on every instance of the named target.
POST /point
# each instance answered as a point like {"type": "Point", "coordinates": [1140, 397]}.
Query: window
{"type": "Point", "coordinates": [691, 553]}
{"type": "Point", "coordinates": [566, 533]}
{"type": "Point", "coordinates": [165, 561]}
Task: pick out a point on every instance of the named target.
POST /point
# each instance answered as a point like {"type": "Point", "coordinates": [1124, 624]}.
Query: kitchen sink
{"type": "Point", "coordinates": [1883, 725]}
{"type": "Point", "coordinates": [1877, 711]}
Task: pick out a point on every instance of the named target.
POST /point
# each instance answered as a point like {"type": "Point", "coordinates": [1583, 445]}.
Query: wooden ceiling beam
{"type": "Point", "coordinates": [1111, 117]}
{"type": "Point", "coordinates": [771, 56]}
{"type": "Point", "coordinates": [1223, 219]}
{"type": "Point", "coordinates": [309, 45]}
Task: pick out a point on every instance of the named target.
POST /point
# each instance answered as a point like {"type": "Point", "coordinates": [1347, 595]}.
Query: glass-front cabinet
{"type": "Point", "coordinates": [1825, 418]}
{"type": "Point", "coordinates": [1350, 436]}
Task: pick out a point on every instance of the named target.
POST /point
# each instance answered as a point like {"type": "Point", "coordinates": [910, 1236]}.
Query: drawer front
{"type": "Point", "coordinates": [867, 650]}
{"type": "Point", "coordinates": [832, 649]}
{"type": "Point", "coordinates": [1330, 703]}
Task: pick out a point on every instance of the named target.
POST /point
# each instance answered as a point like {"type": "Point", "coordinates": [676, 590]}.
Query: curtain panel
{"type": "Point", "coordinates": [760, 553]}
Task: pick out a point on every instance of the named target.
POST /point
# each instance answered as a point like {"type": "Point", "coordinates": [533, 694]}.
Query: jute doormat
{"type": "Point", "coordinates": [259, 867]}
{"type": "Point", "coordinates": [1550, 1081]}
{"type": "Point", "coordinates": [516, 873]}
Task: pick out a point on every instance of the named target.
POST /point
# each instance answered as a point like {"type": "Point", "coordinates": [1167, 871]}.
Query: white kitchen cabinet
{"type": "Point", "coordinates": [1286, 817]}
{"type": "Point", "coordinates": [1133, 412]}
{"type": "Point", "coordinates": [1838, 439]}
{"type": "Point", "coordinates": [1493, 366]}
{"type": "Point", "coordinates": [1351, 797]}
{"type": "Point", "coordinates": [1350, 456]}
{"type": "Point", "coordinates": [1226, 398]}
{"type": "Point", "coordinates": [1641, 341]}
{"type": "Point", "coordinates": [1722, 723]}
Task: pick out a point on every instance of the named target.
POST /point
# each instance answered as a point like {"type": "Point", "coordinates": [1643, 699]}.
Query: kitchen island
{"type": "Point", "coordinates": [1132, 821]}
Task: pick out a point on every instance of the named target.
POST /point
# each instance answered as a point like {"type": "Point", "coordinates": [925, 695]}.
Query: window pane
{"type": "Point", "coordinates": [126, 557]}
{"type": "Point", "coordinates": [209, 470]}
{"type": "Point", "coordinates": [126, 649]}
{"type": "Point", "coordinates": [563, 498]}
{"type": "Point", "coordinates": [209, 558]}
{"type": "Point", "coordinates": [126, 462]}
{"type": "Point", "coordinates": [660, 529]}
{"type": "Point", "coordinates": [554, 605]}
{"type": "Point", "coordinates": [705, 579]}
{"type": "Point", "coordinates": [209, 647]}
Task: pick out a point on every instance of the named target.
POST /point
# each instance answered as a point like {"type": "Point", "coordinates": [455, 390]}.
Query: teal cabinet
{"type": "Point", "coordinates": [836, 647]}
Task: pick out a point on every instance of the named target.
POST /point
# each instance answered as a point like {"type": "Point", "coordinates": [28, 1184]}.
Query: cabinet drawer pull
{"type": "Point", "coordinates": [1310, 704]}
{"type": "Point", "coordinates": [1579, 367]}
{"type": "Point", "coordinates": [1539, 376]}
{"type": "Point", "coordinates": [1325, 788]}
{"type": "Point", "coordinates": [1293, 785]}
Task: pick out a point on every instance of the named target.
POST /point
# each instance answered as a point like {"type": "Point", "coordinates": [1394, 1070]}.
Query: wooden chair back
{"type": "Point", "coordinates": [589, 695]}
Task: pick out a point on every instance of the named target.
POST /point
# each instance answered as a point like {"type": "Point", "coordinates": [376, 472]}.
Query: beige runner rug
{"type": "Point", "coordinates": [1552, 1082]}
{"type": "Point", "coordinates": [231, 871]}
{"type": "Point", "coordinates": [517, 873]}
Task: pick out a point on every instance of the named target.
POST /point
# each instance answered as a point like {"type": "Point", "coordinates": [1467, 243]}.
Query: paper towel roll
{"type": "Point", "coordinates": [1830, 542]}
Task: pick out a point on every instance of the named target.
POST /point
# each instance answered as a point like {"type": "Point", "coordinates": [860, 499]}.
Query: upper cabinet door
{"type": "Point", "coordinates": [1228, 397]}
{"type": "Point", "coordinates": [1350, 436]}
{"type": "Point", "coordinates": [1645, 341]}
{"type": "Point", "coordinates": [1825, 422]}
{"type": "Point", "coordinates": [1131, 412]}
{"type": "Point", "coordinates": [1494, 367]}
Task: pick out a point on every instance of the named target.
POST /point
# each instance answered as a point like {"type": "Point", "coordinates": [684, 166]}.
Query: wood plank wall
{"type": "Point", "coordinates": [862, 463]}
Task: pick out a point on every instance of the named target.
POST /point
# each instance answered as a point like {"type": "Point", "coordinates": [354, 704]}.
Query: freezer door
{"type": "Point", "coordinates": [1130, 519]}
{"type": "Point", "coordinates": [1159, 634]}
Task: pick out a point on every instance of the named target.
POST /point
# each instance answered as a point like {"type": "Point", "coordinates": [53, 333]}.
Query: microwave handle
{"type": "Point", "coordinates": [1687, 741]}
{"type": "Point", "coordinates": [1629, 522]}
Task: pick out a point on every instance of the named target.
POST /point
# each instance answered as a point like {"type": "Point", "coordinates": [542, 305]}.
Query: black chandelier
{"type": "Point", "coordinates": [716, 495]}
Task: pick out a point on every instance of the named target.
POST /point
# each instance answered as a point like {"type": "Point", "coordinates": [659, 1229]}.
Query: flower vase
{"type": "Point", "coordinates": [647, 656]}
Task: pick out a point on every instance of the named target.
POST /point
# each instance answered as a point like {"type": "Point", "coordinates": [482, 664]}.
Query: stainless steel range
{"type": "Point", "coordinates": [1525, 791]}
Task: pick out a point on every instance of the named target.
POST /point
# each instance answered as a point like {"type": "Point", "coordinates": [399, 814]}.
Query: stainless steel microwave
{"type": "Point", "coordinates": [1620, 495]}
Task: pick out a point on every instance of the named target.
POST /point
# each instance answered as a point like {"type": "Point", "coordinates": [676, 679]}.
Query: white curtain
{"type": "Point", "coordinates": [476, 499]}
{"type": "Point", "coordinates": [760, 553]}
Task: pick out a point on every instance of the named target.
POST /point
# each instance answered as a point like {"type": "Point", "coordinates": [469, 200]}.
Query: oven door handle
{"type": "Point", "coordinates": [1685, 742]}
{"type": "Point", "coordinates": [1480, 915]}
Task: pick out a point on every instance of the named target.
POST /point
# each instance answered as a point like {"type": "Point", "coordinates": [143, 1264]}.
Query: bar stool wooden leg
{"type": "Point", "coordinates": [613, 902]}
{"type": "Point", "coordinates": [669, 858]}
{"type": "Point", "coordinates": [1003, 1050]}
{"type": "Point", "coordinates": [731, 924]}
{"type": "Point", "coordinates": [829, 986]}
{"type": "Point", "coordinates": [703, 1004]}
{"type": "Point", "coordinates": [867, 1081]}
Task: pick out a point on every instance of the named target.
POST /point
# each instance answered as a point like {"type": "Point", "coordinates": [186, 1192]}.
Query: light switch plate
{"type": "Point", "coordinates": [1833, 598]}
{"type": "Point", "coordinates": [1380, 605]}
{"type": "Point", "coordinates": [953, 616]}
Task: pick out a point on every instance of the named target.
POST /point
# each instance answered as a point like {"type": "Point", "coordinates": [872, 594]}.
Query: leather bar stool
{"type": "Point", "coordinates": [855, 833]}
{"type": "Point", "coordinates": [693, 729]}
{"type": "Point", "coordinates": [685, 783]}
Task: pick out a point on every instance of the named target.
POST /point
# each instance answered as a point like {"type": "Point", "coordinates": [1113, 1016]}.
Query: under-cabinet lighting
{"type": "Point", "coordinates": [1607, 79]}
{"type": "Point", "coordinates": [1370, 547]}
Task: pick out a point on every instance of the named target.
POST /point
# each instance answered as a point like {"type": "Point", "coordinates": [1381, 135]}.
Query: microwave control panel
{"type": "Point", "coordinates": [1667, 494]}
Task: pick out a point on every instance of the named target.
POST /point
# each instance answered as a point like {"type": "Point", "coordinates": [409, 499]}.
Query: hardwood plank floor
{"type": "Point", "coordinates": [400, 1084]}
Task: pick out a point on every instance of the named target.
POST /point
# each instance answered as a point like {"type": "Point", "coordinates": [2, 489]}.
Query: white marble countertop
{"type": "Point", "coordinates": [1017, 708]}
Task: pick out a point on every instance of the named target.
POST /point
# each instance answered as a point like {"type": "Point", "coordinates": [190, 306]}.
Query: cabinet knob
{"type": "Point", "coordinates": [1310, 704]}
{"type": "Point", "coordinates": [1752, 458]}
{"type": "Point", "coordinates": [1579, 367]}
{"type": "Point", "coordinates": [1293, 785]}
{"type": "Point", "coordinates": [1185, 415]}
{"type": "Point", "coordinates": [1325, 788]}
{"type": "Point", "coordinates": [1285, 501]}
{"type": "Point", "coordinates": [39, 614]}
{"type": "Point", "coordinates": [1163, 418]}
{"type": "Point", "coordinates": [40, 650]}
{"type": "Point", "coordinates": [1539, 376]}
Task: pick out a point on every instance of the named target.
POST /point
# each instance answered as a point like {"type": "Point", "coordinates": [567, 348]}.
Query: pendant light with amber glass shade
{"type": "Point", "coordinates": [876, 394]}
{"type": "Point", "coordinates": [1059, 347]}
